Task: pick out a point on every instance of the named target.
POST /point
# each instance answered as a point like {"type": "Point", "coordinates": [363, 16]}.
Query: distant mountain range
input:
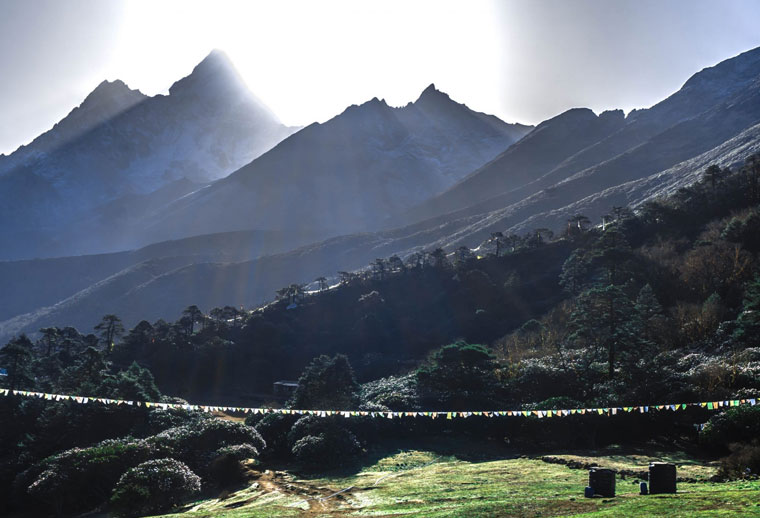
{"type": "Point", "coordinates": [349, 174]}
{"type": "Point", "coordinates": [428, 175]}
{"type": "Point", "coordinates": [78, 187]}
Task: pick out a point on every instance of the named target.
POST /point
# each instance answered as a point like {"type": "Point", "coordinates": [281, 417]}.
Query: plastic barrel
{"type": "Point", "coordinates": [662, 478]}
{"type": "Point", "coordinates": [602, 481]}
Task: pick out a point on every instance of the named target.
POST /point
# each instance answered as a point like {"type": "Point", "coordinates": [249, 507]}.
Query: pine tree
{"type": "Point", "coordinates": [109, 328]}
{"type": "Point", "coordinates": [218, 313]}
{"type": "Point", "coordinates": [574, 272]}
{"type": "Point", "coordinates": [602, 320]}
{"type": "Point", "coordinates": [327, 384]}
{"type": "Point", "coordinates": [618, 214]}
{"type": "Point", "coordinates": [748, 321]}
{"type": "Point", "coordinates": [462, 255]}
{"type": "Point", "coordinates": [713, 175]}
{"type": "Point", "coordinates": [50, 336]}
{"type": "Point", "coordinates": [15, 357]}
{"type": "Point", "coordinates": [751, 175]}
{"type": "Point", "coordinates": [439, 258]}
{"type": "Point", "coordinates": [86, 375]}
{"type": "Point", "coordinates": [193, 314]}
{"type": "Point", "coordinates": [379, 268]}
{"type": "Point", "coordinates": [611, 256]}
{"type": "Point", "coordinates": [541, 235]}
{"type": "Point", "coordinates": [577, 224]}
{"type": "Point", "coordinates": [649, 313]}
{"type": "Point", "coordinates": [497, 237]}
{"type": "Point", "coordinates": [514, 241]}
{"type": "Point", "coordinates": [396, 265]}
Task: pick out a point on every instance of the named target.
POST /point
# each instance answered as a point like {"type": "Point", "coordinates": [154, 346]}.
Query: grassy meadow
{"type": "Point", "coordinates": [411, 482]}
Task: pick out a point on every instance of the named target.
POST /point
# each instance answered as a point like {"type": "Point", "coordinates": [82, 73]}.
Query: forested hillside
{"type": "Point", "coordinates": [657, 305]}
{"type": "Point", "coordinates": [431, 174]}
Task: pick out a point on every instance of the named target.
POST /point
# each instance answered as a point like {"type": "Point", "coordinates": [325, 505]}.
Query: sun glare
{"type": "Point", "coordinates": [308, 60]}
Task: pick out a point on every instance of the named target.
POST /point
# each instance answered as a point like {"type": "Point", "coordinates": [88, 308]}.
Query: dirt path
{"type": "Point", "coordinates": [321, 500]}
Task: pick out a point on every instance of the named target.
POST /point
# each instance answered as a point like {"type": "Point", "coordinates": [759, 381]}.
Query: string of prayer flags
{"type": "Point", "coordinates": [543, 413]}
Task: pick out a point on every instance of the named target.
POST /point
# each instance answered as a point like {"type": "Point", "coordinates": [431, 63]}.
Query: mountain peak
{"type": "Point", "coordinates": [730, 72]}
{"type": "Point", "coordinates": [431, 93]}
{"type": "Point", "coordinates": [215, 82]}
{"type": "Point", "coordinates": [430, 89]}
{"type": "Point", "coordinates": [215, 59]}
{"type": "Point", "coordinates": [107, 85]}
{"type": "Point", "coordinates": [215, 70]}
{"type": "Point", "coordinates": [107, 100]}
{"type": "Point", "coordinates": [108, 91]}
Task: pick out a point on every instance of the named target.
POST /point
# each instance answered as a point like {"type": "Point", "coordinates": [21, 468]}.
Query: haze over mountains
{"type": "Point", "coordinates": [430, 174]}
{"type": "Point", "coordinates": [350, 173]}
{"type": "Point", "coordinates": [80, 186]}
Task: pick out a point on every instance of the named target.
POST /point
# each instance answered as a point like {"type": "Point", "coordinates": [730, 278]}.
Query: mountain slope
{"type": "Point", "coordinates": [349, 173]}
{"type": "Point", "coordinates": [723, 133]}
{"type": "Point", "coordinates": [119, 142]}
{"type": "Point", "coordinates": [525, 170]}
{"type": "Point", "coordinates": [543, 149]}
{"type": "Point", "coordinates": [29, 285]}
{"type": "Point", "coordinates": [252, 282]}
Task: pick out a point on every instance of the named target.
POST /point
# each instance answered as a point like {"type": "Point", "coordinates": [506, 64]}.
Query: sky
{"type": "Point", "coordinates": [522, 60]}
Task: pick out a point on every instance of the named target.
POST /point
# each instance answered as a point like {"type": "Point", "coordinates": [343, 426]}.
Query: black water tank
{"type": "Point", "coordinates": [662, 478]}
{"type": "Point", "coordinates": [602, 481]}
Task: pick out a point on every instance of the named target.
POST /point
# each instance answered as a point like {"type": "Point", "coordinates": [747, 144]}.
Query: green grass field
{"type": "Point", "coordinates": [425, 484]}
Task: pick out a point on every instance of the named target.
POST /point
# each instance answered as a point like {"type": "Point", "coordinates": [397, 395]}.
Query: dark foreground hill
{"type": "Point", "coordinates": [656, 306]}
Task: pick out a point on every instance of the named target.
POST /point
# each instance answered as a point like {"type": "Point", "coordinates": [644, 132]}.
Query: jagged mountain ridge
{"type": "Point", "coordinates": [686, 140]}
{"type": "Point", "coordinates": [550, 144]}
{"type": "Point", "coordinates": [119, 142]}
{"type": "Point", "coordinates": [519, 172]}
{"type": "Point", "coordinates": [725, 133]}
{"type": "Point", "coordinates": [106, 101]}
{"type": "Point", "coordinates": [349, 173]}
{"type": "Point", "coordinates": [252, 282]}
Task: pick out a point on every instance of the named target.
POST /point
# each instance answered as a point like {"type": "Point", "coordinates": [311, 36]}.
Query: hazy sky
{"type": "Point", "coordinates": [522, 60]}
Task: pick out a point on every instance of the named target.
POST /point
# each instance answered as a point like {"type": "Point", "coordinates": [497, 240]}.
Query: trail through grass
{"type": "Point", "coordinates": [425, 484]}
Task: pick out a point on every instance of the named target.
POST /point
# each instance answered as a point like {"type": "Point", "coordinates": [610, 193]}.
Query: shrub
{"type": "Point", "coordinates": [541, 378]}
{"type": "Point", "coordinates": [326, 383]}
{"type": "Point", "coordinates": [274, 430]}
{"type": "Point", "coordinates": [737, 424]}
{"type": "Point", "coordinates": [155, 486]}
{"type": "Point", "coordinates": [743, 462]}
{"type": "Point", "coordinates": [227, 468]}
{"type": "Point", "coordinates": [81, 478]}
{"type": "Point", "coordinates": [460, 376]}
{"type": "Point", "coordinates": [326, 450]}
{"type": "Point", "coordinates": [744, 230]}
{"type": "Point", "coordinates": [308, 425]}
{"type": "Point", "coordinates": [321, 442]}
{"type": "Point", "coordinates": [254, 419]}
{"type": "Point", "coordinates": [558, 402]}
{"type": "Point", "coordinates": [159, 420]}
{"type": "Point", "coordinates": [196, 444]}
{"type": "Point", "coordinates": [572, 431]}
{"type": "Point", "coordinates": [391, 393]}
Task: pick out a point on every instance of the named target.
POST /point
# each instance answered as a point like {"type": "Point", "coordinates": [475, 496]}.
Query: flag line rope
{"type": "Point", "coordinates": [452, 414]}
